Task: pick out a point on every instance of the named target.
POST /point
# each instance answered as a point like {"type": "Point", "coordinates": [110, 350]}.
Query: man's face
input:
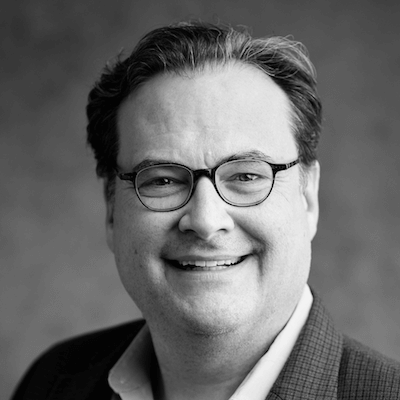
{"type": "Point", "coordinates": [197, 121]}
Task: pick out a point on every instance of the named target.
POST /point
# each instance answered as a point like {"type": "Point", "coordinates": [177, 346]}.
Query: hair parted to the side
{"type": "Point", "coordinates": [191, 46]}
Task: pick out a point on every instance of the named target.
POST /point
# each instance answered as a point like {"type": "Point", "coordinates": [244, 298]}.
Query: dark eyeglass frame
{"type": "Point", "coordinates": [208, 173]}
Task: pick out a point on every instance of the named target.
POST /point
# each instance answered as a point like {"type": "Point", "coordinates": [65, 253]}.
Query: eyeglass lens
{"type": "Point", "coordinates": [239, 182]}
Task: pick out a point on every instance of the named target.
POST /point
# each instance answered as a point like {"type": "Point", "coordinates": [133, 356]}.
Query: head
{"type": "Point", "coordinates": [197, 95]}
{"type": "Point", "coordinates": [191, 47]}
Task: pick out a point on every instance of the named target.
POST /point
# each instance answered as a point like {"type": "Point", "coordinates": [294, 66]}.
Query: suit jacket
{"type": "Point", "coordinates": [323, 365]}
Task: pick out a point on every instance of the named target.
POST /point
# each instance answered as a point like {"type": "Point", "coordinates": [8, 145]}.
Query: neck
{"type": "Point", "coordinates": [200, 366]}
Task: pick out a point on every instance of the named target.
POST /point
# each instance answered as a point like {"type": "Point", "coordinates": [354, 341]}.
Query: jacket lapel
{"type": "Point", "coordinates": [312, 369]}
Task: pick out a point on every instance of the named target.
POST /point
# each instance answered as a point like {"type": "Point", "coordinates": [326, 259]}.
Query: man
{"type": "Point", "coordinates": [206, 140]}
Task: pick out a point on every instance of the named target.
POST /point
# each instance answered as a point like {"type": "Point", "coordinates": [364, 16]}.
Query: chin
{"type": "Point", "coordinates": [211, 320]}
{"type": "Point", "coordinates": [209, 327]}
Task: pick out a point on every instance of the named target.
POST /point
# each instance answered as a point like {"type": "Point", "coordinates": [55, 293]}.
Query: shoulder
{"type": "Point", "coordinates": [97, 350]}
{"type": "Point", "coordinates": [92, 348]}
{"type": "Point", "coordinates": [367, 374]}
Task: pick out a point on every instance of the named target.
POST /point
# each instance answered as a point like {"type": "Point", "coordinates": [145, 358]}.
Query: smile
{"type": "Point", "coordinates": [208, 265]}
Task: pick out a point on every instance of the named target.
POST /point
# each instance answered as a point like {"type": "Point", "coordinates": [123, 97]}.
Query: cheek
{"type": "Point", "coordinates": [139, 236]}
{"type": "Point", "coordinates": [281, 230]}
{"type": "Point", "coordinates": [136, 229]}
{"type": "Point", "coordinates": [278, 219]}
{"type": "Point", "coordinates": [137, 243]}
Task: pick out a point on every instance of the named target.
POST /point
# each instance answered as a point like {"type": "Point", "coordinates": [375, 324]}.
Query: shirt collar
{"type": "Point", "coordinates": [130, 376]}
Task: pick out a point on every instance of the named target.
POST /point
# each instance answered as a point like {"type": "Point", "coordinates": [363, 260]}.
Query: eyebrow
{"type": "Point", "coordinates": [251, 154]}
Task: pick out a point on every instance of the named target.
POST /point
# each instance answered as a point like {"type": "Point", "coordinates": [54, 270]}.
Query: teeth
{"type": "Point", "coordinates": [212, 263]}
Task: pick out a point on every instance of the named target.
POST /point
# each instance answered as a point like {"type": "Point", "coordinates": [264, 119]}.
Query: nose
{"type": "Point", "coordinates": [206, 213]}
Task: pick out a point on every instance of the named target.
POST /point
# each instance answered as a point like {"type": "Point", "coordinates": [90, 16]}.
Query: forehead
{"type": "Point", "coordinates": [201, 117]}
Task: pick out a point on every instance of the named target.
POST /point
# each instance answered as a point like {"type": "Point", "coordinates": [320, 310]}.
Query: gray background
{"type": "Point", "coordinates": [57, 276]}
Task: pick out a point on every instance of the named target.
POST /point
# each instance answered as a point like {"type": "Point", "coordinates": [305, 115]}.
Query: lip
{"type": "Point", "coordinates": [206, 263]}
{"type": "Point", "coordinates": [210, 257]}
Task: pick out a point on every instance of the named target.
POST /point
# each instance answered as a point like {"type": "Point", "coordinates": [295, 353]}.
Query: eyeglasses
{"type": "Point", "coordinates": [240, 183]}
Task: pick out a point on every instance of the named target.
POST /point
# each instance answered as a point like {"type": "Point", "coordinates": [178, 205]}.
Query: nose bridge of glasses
{"type": "Point", "coordinates": [206, 173]}
{"type": "Point", "coordinates": [199, 173]}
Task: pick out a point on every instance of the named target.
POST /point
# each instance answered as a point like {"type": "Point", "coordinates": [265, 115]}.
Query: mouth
{"type": "Point", "coordinates": [207, 265]}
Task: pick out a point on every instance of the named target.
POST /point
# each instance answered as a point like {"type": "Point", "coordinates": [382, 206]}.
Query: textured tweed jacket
{"type": "Point", "coordinates": [323, 365]}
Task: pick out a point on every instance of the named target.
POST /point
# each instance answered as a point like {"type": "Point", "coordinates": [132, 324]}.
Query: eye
{"type": "Point", "coordinates": [246, 182]}
{"type": "Point", "coordinates": [161, 181]}
{"type": "Point", "coordinates": [162, 186]}
{"type": "Point", "coordinates": [246, 177]}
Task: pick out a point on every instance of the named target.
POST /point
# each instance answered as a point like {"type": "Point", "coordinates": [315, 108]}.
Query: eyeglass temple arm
{"type": "Point", "coordinates": [281, 167]}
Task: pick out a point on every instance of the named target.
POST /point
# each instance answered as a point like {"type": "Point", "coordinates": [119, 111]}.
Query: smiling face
{"type": "Point", "coordinates": [251, 263]}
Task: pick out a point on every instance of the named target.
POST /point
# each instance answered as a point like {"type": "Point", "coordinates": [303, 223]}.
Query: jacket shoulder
{"type": "Point", "coordinates": [99, 349]}
{"type": "Point", "coordinates": [367, 374]}
{"type": "Point", "coordinates": [87, 350]}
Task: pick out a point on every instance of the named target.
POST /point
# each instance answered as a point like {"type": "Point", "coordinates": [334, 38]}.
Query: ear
{"type": "Point", "coordinates": [310, 196]}
{"type": "Point", "coordinates": [110, 223]}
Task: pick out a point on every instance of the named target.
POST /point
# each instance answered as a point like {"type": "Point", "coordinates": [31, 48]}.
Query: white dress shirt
{"type": "Point", "coordinates": [130, 376]}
